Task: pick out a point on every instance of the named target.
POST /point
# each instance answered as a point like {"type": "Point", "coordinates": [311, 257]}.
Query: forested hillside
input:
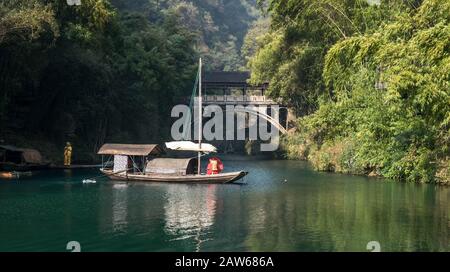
{"type": "Point", "coordinates": [107, 71]}
{"type": "Point", "coordinates": [370, 80]}
{"type": "Point", "coordinates": [219, 26]}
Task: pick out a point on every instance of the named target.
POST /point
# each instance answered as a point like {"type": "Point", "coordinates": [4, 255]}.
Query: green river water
{"type": "Point", "coordinates": [284, 206]}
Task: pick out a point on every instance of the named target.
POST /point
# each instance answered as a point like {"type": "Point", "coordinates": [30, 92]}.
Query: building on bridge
{"type": "Point", "coordinates": [232, 88]}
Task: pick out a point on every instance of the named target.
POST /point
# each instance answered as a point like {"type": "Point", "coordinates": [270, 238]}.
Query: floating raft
{"type": "Point", "coordinates": [14, 175]}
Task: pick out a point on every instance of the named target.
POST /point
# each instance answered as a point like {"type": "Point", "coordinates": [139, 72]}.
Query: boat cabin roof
{"type": "Point", "coordinates": [179, 166]}
{"type": "Point", "coordinates": [130, 149]}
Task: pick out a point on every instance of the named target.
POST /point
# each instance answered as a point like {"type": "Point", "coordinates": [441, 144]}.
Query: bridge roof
{"type": "Point", "coordinates": [226, 78]}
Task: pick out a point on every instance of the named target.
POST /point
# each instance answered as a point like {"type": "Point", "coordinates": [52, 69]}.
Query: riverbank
{"type": "Point", "coordinates": [343, 157]}
{"type": "Point", "coordinates": [51, 150]}
{"type": "Point", "coordinates": [374, 100]}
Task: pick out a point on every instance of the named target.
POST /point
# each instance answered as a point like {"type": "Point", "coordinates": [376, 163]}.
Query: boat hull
{"type": "Point", "coordinates": [219, 178]}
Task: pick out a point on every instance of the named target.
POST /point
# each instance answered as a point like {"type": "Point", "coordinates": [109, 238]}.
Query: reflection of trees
{"type": "Point", "coordinates": [131, 211]}
{"type": "Point", "coordinates": [190, 211]}
{"type": "Point", "coordinates": [345, 216]}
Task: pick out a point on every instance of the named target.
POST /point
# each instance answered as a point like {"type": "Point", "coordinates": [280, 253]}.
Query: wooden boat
{"type": "Point", "coordinates": [8, 175]}
{"type": "Point", "coordinates": [144, 163]}
{"type": "Point", "coordinates": [218, 178]}
{"type": "Point", "coordinates": [14, 175]}
{"type": "Point", "coordinates": [138, 162]}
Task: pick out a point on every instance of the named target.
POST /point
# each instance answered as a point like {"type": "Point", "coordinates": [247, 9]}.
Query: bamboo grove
{"type": "Point", "coordinates": [370, 80]}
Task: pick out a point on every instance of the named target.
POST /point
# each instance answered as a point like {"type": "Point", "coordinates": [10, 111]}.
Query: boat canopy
{"type": "Point", "coordinates": [168, 166]}
{"type": "Point", "coordinates": [130, 149]}
{"type": "Point", "coordinates": [191, 146]}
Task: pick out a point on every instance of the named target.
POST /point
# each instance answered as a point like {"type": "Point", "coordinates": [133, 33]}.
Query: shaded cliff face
{"type": "Point", "coordinates": [219, 25]}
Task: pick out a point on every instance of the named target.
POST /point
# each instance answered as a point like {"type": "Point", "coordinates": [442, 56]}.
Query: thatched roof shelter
{"type": "Point", "coordinates": [14, 154]}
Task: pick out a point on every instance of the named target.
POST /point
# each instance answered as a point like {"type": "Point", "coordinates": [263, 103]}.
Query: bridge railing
{"type": "Point", "coordinates": [245, 99]}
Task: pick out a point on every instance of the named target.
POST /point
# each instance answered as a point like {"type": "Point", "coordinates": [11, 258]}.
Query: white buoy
{"type": "Point", "coordinates": [89, 181]}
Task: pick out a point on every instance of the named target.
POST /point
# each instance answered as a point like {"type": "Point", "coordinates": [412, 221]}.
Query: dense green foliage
{"type": "Point", "coordinates": [87, 74]}
{"type": "Point", "coordinates": [219, 26]}
{"type": "Point", "coordinates": [107, 70]}
{"type": "Point", "coordinates": [292, 54]}
{"type": "Point", "coordinates": [372, 80]}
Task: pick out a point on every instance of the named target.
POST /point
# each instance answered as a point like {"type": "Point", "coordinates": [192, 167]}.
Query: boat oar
{"type": "Point", "coordinates": [92, 179]}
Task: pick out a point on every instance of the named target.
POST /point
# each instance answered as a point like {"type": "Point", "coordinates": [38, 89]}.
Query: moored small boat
{"type": "Point", "coordinates": [140, 162]}
{"type": "Point", "coordinates": [144, 163]}
{"type": "Point", "coordinates": [194, 178]}
{"type": "Point", "coordinates": [14, 174]}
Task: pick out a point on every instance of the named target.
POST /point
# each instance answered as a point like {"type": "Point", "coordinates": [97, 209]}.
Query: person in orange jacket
{"type": "Point", "coordinates": [215, 166]}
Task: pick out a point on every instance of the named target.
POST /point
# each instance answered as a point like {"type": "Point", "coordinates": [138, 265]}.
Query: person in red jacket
{"type": "Point", "coordinates": [215, 166]}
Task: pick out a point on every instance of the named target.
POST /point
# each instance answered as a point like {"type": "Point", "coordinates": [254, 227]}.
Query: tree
{"type": "Point", "coordinates": [301, 34]}
{"type": "Point", "coordinates": [89, 75]}
{"type": "Point", "coordinates": [386, 108]}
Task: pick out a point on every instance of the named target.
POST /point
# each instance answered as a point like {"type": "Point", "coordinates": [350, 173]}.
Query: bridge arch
{"type": "Point", "coordinates": [265, 116]}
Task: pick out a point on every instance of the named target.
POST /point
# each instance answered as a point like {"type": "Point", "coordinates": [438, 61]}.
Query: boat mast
{"type": "Point", "coordinates": [200, 121]}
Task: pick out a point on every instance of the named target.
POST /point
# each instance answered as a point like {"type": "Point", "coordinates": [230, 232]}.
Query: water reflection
{"type": "Point", "coordinates": [338, 213]}
{"type": "Point", "coordinates": [67, 174]}
{"type": "Point", "coordinates": [311, 211]}
{"type": "Point", "coordinates": [190, 211]}
{"type": "Point", "coordinates": [119, 207]}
